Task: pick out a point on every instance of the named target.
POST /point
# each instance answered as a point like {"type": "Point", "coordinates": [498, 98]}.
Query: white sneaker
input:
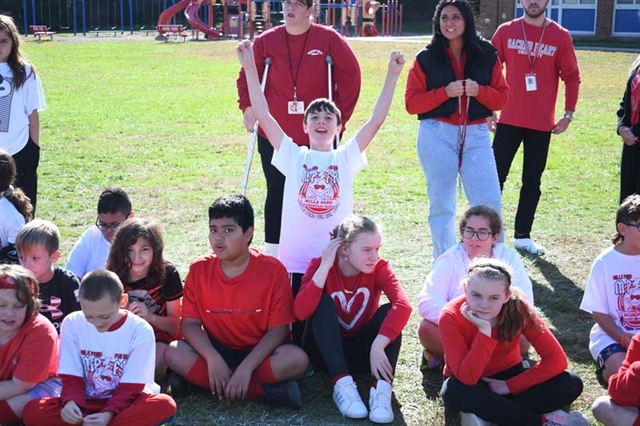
{"type": "Point", "coordinates": [562, 418]}
{"type": "Point", "coordinates": [380, 403]}
{"type": "Point", "coordinates": [528, 245]}
{"type": "Point", "coordinates": [470, 419]}
{"type": "Point", "coordinates": [347, 399]}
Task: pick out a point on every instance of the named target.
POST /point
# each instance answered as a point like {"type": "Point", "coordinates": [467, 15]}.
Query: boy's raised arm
{"type": "Point", "coordinates": [258, 102]}
{"type": "Point", "coordinates": [371, 127]}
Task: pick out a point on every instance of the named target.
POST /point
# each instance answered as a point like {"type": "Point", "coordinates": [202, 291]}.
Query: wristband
{"type": "Point", "coordinates": [623, 340]}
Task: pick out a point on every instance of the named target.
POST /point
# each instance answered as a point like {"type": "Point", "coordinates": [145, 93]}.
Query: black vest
{"type": "Point", "coordinates": [440, 72]}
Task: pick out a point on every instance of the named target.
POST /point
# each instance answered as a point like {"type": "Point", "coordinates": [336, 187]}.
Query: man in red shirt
{"type": "Point", "coordinates": [236, 313]}
{"type": "Point", "coordinates": [537, 52]}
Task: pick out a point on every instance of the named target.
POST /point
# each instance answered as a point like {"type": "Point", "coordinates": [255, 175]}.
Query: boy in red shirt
{"type": "Point", "coordinates": [236, 313]}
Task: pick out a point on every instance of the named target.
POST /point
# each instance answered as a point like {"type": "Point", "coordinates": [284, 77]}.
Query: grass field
{"type": "Point", "coordinates": [161, 121]}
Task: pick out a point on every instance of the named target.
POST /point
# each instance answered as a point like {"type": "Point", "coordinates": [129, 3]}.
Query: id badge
{"type": "Point", "coordinates": [296, 107]}
{"type": "Point", "coordinates": [531, 82]}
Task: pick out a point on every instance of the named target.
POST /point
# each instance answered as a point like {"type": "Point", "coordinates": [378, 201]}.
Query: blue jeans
{"type": "Point", "coordinates": [438, 152]}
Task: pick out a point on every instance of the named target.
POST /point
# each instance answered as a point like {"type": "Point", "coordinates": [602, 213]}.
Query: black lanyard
{"type": "Point", "coordinates": [294, 78]}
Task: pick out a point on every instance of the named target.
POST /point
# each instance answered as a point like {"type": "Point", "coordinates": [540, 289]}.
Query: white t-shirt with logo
{"type": "Point", "coordinates": [613, 288]}
{"type": "Point", "coordinates": [318, 195]}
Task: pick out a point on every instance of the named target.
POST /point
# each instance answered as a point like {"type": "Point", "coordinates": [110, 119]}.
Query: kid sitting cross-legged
{"type": "Point", "coordinates": [107, 358]}
{"type": "Point", "coordinates": [236, 312]}
{"type": "Point", "coordinates": [38, 245]}
{"type": "Point", "coordinates": [318, 191]}
{"type": "Point", "coordinates": [28, 345]}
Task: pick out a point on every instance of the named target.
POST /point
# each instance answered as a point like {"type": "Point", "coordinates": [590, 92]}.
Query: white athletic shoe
{"type": "Point", "coordinates": [347, 399]}
{"type": "Point", "coordinates": [528, 245]}
{"type": "Point", "coordinates": [562, 418]}
{"type": "Point", "coordinates": [470, 419]}
{"type": "Point", "coordinates": [380, 403]}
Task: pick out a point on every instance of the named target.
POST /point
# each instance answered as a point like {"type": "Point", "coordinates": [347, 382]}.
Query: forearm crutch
{"type": "Point", "coordinates": [254, 132]}
{"type": "Point", "coordinates": [329, 60]}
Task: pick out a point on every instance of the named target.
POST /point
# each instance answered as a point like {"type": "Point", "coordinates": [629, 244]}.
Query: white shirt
{"type": "Point", "coordinates": [613, 288]}
{"type": "Point", "coordinates": [10, 223]}
{"type": "Point", "coordinates": [318, 195]}
{"type": "Point", "coordinates": [444, 282]}
{"type": "Point", "coordinates": [89, 253]}
{"type": "Point", "coordinates": [15, 108]}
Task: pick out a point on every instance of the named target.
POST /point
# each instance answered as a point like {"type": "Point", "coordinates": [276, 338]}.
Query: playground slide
{"type": "Point", "coordinates": [167, 15]}
{"type": "Point", "coordinates": [191, 12]}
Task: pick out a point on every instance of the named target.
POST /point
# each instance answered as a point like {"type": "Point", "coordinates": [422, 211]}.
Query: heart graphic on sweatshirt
{"type": "Point", "coordinates": [350, 311]}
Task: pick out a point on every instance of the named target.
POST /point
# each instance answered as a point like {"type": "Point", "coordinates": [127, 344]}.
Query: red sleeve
{"type": "Point", "coordinates": [346, 77]}
{"type": "Point", "coordinates": [400, 311]}
{"type": "Point", "coordinates": [309, 295]}
{"type": "Point", "coordinates": [466, 362]}
{"type": "Point", "coordinates": [624, 385]}
{"type": "Point", "coordinates": [241, 82]}
{"type": "Point", "coordinates": [416, 97]}
{"type": "Point", "coordinates": [37, 358]}
{"type": "Point", "coordinates": [73, 390]}
{"type": "Point", "coordinates": [495, 95]}
{"type": "Point", "coordinates": [553, 360]}
{"type": "Point", "coordinates": [496, 40]}
{"type": "Point", "coordinates": [570, 74]}
{"type": "Point", "coordinates": [281, 309]}
{"type": "Point", "coordinates": [122, 397]}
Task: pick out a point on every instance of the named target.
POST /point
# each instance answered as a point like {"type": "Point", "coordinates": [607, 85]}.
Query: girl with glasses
{"type": "Point", "coordinates": [479, 228]}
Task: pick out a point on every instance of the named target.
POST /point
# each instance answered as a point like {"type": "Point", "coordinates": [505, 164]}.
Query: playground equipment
{"type": "Point", "coordinates": [359, 17]}
{"type": "Point", "coordinates": [230, 12]}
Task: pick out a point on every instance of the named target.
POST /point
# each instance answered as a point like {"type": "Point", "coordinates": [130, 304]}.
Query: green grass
{"type": "Point", "coordinates": [161, 121]}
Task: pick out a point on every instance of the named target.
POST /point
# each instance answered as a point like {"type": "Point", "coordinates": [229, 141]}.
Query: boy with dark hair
{"type": "Point", "coordinates": [92, 249]}
{"type": "Point", "coordinates": [107, 359]}
{"type": "Point", "coordinates": [236, 313]}
{"type": "Point", "coordinates": [38, 244]}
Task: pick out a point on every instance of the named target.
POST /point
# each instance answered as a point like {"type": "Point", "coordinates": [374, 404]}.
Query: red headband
{"type": "Point", "coordinates": [8, 283]}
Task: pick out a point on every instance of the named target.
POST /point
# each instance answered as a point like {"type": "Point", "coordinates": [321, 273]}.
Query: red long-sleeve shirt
{"type": "Point", "coordinates": [624, 385]}
{"type": "Point", "coordinates": [307, 62]}
{"type": "Point", "coordinates": [355, 309]}
{"type": "Point", "coordinates": [471, 355]}
{"type": "Point", "coordinates": [556, 59]}
{"type": "Point", "coordinates": [418, 99]}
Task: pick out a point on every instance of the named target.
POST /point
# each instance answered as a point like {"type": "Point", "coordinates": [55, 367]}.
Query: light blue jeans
{"type": "Point", "coordinates": [437, 147]}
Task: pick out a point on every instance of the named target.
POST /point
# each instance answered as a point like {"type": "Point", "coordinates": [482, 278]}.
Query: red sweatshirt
{"type": "Point", "coordinates": [418, 99]}
{"type": "Point", "coordinates": [309, 51]}
{"type": "Point", "coordinates": [359, 303]}
{"type": "Point", "coordinates": [555, 59]}
{"type": "Point", "coordinates": [471, 355]}
{"type": "Point", "coordinates": [624, 385]}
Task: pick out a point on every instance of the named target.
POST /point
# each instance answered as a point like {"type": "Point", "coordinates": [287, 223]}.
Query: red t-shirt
{"type": "Point", "coordinates": [32, 354]}
{"type": "Point", "coordinates": [471, 355]}
{"type": "Point", "coordinates": [355, 309]}
{"type": "Point", "coordinates": [556, 59]}
{"type": "Point", "coordinates": [238, 312]}
{"type": "Point", "coordinates": [624, 385]}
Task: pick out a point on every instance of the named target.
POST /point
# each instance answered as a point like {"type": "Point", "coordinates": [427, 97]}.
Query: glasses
{"type": "Point", "coordinates": [635, 225]}
{"type": "Point", "coordinates": [106, 227]}
{"type": "Point", "coordinates": [293, 4]}
{"type": "Point", "coordinates": [470, 233]}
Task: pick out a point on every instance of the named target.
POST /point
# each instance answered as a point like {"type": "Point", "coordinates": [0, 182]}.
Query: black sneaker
{"type": "Point", "coordinates": [285, 394]}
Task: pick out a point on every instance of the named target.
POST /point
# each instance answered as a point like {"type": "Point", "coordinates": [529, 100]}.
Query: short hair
{"type": "Point", "coordinates": [352, 226]}
{"type": "Point", "coordinates": [26, 285]}
{"type": "Point", "coordinates": [323, 105]}
{"type": "Point", "coordinates": [114, 200]}
{"type": "Point", "coordinates": [100, 283]}
{"type": "Point", "coordinates": [234, 206]}
{"type": "Point", "coordinates": [495, 222]}
{"type": "Point", "coordinates": [37, 233]}
{"type": "Point", "coordinates": [628, 211]}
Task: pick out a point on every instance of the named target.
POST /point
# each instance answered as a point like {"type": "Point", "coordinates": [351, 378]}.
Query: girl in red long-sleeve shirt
{"type": "Point", "coordinates": [346, 329]}
{"type": "Point", "coordinates": [485, 375]}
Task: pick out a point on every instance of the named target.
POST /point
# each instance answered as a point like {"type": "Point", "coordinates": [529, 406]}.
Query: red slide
{"type": "Point", "coordinates": [191, 12]}
{"type": "Point", "coordinates": [167, 15]}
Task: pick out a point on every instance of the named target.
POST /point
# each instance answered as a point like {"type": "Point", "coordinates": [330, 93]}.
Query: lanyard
{"type": "Point", "coordinates": [537, 47]}
{"type": "Point", "coordinates": [462, 131]}
{"type": "Point", "coordinates": [294, 78]}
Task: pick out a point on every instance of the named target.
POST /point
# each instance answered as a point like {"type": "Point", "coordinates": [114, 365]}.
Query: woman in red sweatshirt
{"type": "Point", "coordinates": [347, 331]}
{"type": "Point", "coordinates": [486, 379]}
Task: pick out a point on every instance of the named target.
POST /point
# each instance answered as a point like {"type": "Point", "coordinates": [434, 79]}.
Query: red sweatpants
{"type": "Point", "coordinates": [145, 410]}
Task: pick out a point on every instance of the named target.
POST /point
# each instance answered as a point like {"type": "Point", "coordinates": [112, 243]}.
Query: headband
{"type": "Point", "coordinates": [8, 283]}
{"type": "Point", "coordinates": [493, 266]}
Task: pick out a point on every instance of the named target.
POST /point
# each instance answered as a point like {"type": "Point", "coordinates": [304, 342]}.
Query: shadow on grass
{"type": "Point", "coordinates": [560, 303]}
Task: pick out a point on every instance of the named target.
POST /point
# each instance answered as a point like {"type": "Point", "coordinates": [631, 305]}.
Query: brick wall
{"type": "Point", "coordinates": [493, 13]}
